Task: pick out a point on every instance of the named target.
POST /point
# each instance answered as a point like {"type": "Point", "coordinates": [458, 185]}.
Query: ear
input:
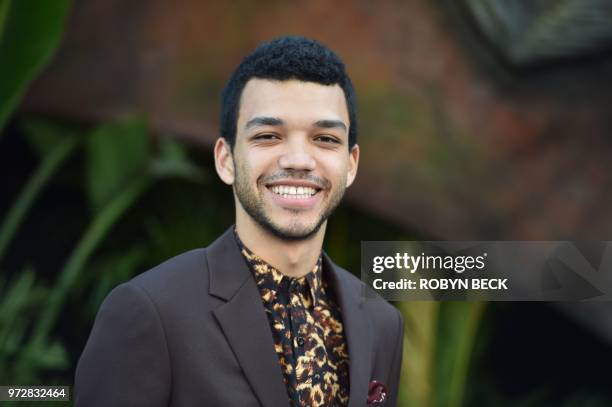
{"type": "Point", "coordinates": [224, 161]}
{"type": "Point", "coordinates": [353, 164]}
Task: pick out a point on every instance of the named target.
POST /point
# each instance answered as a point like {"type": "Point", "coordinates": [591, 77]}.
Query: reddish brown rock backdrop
{"type": "Point", "coordinates": [456, 142]}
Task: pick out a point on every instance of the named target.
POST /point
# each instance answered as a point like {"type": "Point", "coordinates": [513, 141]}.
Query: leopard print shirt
{"type": "Point", "coordinates": [308, 335]}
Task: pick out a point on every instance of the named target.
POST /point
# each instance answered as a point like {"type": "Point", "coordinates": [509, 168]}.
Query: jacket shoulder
{"type": "Point", "coordinates": [181, 273]}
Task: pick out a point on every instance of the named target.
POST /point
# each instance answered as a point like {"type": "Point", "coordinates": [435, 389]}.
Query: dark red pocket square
{"type": "Point", "coordinates": [377, 393]}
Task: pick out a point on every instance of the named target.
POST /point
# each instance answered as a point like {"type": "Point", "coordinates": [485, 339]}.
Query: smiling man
{"type": "Point", "coordinates": [261, 317]}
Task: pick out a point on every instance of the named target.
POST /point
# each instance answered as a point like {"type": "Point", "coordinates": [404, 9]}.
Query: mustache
{"type": "Point", "coordinates": [322, 183]}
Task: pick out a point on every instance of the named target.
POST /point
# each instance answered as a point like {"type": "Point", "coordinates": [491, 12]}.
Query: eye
{"type": "Point", "coordinates": [327, 139]}
{"type": "Point", "coordinates": [266, 137]}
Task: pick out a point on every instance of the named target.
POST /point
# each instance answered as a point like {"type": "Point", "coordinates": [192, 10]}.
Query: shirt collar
{"type": "Point", "coordinates": [262, 270]}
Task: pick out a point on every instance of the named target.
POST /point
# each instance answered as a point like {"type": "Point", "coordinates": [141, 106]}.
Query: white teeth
{"type": "Point", "coordinates": [293, 192]}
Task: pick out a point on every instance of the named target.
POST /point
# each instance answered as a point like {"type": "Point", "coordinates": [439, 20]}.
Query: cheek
{"type": "Point", "coordinates": [253, 167]}
{"type": "Point", "coordinates": [263, 162]}
{"type": "Point", "coordinates": [336, 170]}
{"type": "Point", "coordinates": [243, 171]}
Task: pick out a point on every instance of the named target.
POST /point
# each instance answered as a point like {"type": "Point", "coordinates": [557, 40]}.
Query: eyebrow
{"type": "Point", "coordinates": [275, 121]}
{"type": "Point", "coordinates": [263, 121]}
{"type": "Point", "coordinates": [330, 124]}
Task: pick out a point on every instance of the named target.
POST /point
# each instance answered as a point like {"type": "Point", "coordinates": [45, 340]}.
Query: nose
{"type": "Point", "coordinates": [297, 156]}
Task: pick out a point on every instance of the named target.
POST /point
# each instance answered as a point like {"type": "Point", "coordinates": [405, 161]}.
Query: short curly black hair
{"type": "Point", "coordinates": [284, 58]}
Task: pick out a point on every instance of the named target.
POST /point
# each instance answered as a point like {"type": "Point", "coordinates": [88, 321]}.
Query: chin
{"type": "Point", "coordinates": [294, 231]}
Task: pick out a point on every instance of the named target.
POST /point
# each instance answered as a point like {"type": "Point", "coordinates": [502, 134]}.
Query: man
{"type": "Point", "coordinates": [261, 316]}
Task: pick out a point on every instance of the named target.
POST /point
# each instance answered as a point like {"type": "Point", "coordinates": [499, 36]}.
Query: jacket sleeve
{"type": "Point", "coordinates": [396, 364]}
{"type": "Point", "coordinates": [125, 361]}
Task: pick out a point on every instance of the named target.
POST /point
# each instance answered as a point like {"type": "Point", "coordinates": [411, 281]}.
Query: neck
{"type": "Point", "coordinates": [293, 258]}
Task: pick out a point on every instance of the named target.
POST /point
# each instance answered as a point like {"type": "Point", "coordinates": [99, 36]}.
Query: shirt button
{"type": "Point", "coordinates": [300, 341]}
{"type": "Point", "coordinates": [317, 377]}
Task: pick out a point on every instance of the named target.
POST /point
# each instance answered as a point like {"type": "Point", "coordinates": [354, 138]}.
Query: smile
{"type": "Point", "coordinates": [293, 192]}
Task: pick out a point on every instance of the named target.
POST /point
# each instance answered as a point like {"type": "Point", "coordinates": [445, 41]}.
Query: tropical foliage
{"type": "Point", "coordinates": [116, 198]}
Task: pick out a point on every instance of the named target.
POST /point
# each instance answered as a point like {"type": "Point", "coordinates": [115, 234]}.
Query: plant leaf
{"type": "Point", "coordinates": [116, 154]}
{"type": "Point", "coordinates": [173, 161]}
{"type": "Point", "coordinates": [52, 160]}
{"type": "Point", "coordinates": [30, 31]}
{"type": "Point", "coordinates": [43, 135]}
{"type": "Point", "coordinates": [14, 300]}
{"type": "Point", "coordinates": [458, 324]}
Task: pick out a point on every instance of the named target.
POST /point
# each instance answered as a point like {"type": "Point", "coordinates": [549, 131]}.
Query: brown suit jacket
{"type": "Point", "coordinates": [193, 332]}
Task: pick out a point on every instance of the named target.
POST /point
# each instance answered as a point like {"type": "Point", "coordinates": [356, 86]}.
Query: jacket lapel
{"type": "Point", "coordinates": [244, 321]}
{"type": "Point", "coordinates": [357, 331]}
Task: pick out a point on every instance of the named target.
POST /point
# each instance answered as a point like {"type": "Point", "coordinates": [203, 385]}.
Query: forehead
{"type": "Point", "coordinates": [293, 101]}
